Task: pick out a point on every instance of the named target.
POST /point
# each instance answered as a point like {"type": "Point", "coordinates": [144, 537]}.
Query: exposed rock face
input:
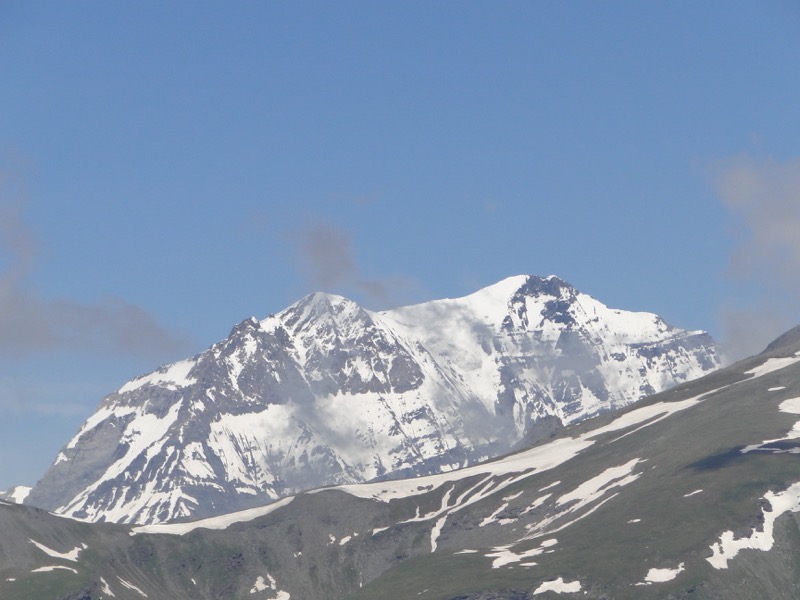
{"type": "Point", "coordinates": [326, 392]}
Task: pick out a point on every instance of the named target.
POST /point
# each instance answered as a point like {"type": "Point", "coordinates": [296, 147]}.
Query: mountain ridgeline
{"type": "Point", "coordinates": [328, 393]}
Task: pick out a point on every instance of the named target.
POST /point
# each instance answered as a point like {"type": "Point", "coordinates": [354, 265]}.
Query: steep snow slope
{"type": "Point", "coordinates": [326, 392]}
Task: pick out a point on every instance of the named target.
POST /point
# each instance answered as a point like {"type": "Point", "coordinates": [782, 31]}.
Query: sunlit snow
{"type": "Point", "coordinates": [661, 575]}
{"type": "Point", "coordinates": [593, 491]}
{"type": "Point", "coordinates": [791, 406]}
{"type": "Point", "coordinates": [72, 555]}
{"type": "Point", "coordinates": [503, 555]}
{"type": "Point", "coordinates": [105, 588]}
{"type": "Point", "coordinates": [18, 493]}
{"type": "Point", "coordinates": [221, 522]}
{"type": "Point", "coordinates": [514, 468]}
{"type": "Point", "coordinates": [597, 486]}
{"type": "Point", "coordinates": [130, 586]}
{"type": "Point", "coordinates": [458, 349]}
{"type": "Point", "coordinates": [145, 435]}
{"type": "Point", "coordinates": [559, 586]}
{"type": "Point", "coordinates": [261, 585]}
{"type": "Point", "coordinates": [53, 568]}
{"type": "Point", "coordinates": [773, 364]}
{"type": "Point", "coordinates": [728, 546]}
{"type": "Point", "coordinates": [172, 376]}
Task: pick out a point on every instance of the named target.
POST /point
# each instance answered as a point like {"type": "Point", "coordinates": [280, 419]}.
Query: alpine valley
{"type": "Point", "coordinates": [692, 493]}
{"type": "Point", "coordinates": [328, 393]}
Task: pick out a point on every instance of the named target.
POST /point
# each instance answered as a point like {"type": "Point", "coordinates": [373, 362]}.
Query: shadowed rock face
{"type": "Point", "coordinates": [326, 392]}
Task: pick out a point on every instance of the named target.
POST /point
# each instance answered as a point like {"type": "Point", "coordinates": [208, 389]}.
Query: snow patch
{"type": "Point", "coordinates": [792, 406]}
{"type": "Point", "coordinates": [172, 377]}
{"type": "Point", "coordinates": [105, 588]}
{"type": "Point", "coordinates": [773, 364]}
{"type": "Point", "coordinates": [661, 575]}
{"type": "Point", "coordinates": [436, 532]}
{"type": "Point", "coordinates": [221, 522]}
{"type": "Point", "coordinates": [72, 555]}
{"type": "Point", "coordinates": [728, 547]}
{"type": "Point", "coordinates": [504, 556]}
{"type": "Point", "coordinates": [594, 488]}
{"type": "Point", "coordinates": [262, 586]}
{"type": "Point", "coordinates": [589, 492]}
{"type": "Point", "coordinates": [559, 586]}
{"type": "Point", "coordinates": [777, 389]}
{"type": "Point", "coordinates": [693, 493]}
{"type": "Point", "coordinates": [18, 493]}
{"type": "Point", "coordinates": [54, 568]}
{"type": "Point", "coordinates": [130, 586]}
{"type": "Point", "coordinates": [259, 586]}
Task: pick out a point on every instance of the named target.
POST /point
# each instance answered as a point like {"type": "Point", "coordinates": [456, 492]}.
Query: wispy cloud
{"type": "Point", "coordinates": [19, 395]}
{"type": "Point", "coordinates": [328, 258]}
{"type": "Point", "coordinates": [327, 254]}
{"type": "Point", "coordinates": [31, 323]}
{"type": "Point", "coordinates": [763, 198]}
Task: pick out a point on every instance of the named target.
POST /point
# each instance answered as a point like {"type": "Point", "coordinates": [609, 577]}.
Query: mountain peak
{"type": "Point", "coordinates": [318, 302]}
{"type": "Point", "coordinates": [326, 392]}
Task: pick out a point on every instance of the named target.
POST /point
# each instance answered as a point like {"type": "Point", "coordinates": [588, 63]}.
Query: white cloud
{"type": "Point", "coordinates": [328, 258]}
{"type": "Point", "coordinates": [31, 323]}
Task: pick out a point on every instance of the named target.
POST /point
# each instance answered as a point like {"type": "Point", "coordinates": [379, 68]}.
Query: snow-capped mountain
{"type": "Point", "coordinates": [691, 494]}
{"type": "Point", "coordinates": [326, 392]}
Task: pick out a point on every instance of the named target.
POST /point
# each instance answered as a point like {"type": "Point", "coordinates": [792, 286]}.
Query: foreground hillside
{"type": "Point", "coordinates": [691, 494]}
{"type": "Point", "coordinates": [326, 392]}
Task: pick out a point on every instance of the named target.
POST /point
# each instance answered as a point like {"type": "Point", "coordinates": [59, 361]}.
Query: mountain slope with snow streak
{"type": "Point", "coordinates": [690, 494]}
{"type": "Point", "coordinates": [326, 392]}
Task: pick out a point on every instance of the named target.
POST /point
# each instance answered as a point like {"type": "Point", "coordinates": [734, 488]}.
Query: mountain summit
{"type": "Point", "coordinates": [327, 392]}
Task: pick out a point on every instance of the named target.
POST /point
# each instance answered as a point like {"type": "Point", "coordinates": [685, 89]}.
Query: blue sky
{"type": "Point", "coordinates": [169, 169]}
